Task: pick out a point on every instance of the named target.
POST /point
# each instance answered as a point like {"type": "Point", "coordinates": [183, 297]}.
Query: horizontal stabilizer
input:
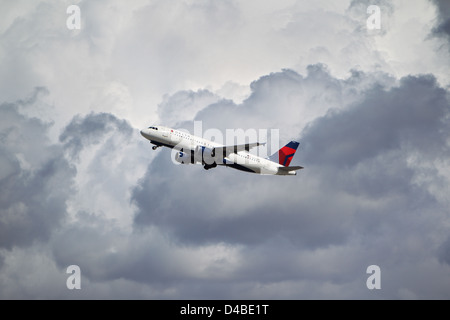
{"type": "Point", "coordinates": [287, 169]}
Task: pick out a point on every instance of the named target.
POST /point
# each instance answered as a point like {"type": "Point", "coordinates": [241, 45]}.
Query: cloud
{"type": "Point", "coordinates": [443, 27]}
{"type": "Point", "coordinates": [363, 179]}
{"type": "Point", "coordinates": [412, 115]}
{"type": "Point", "coordinates": [36, 180]}
{"type": "Point", "coordinates": [100, 146]}
{"type": "Point", "coordinates": [81, 186]}
{"type": "Point", "coordinates": [184, 105]}
{"type": "Point", "coordinates": [90, 129]}
{"type": "Point", "coordinates": [444, 252]}
{"type": "Point", "coordinates": [189, 230]}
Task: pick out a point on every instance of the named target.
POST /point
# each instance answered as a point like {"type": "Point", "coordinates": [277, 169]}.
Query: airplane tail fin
{"type": "Point", "coordinates": [285, 155]}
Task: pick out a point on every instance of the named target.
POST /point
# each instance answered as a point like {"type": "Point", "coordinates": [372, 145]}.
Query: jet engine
{"type": "Point", "coordinates": [205, 155]}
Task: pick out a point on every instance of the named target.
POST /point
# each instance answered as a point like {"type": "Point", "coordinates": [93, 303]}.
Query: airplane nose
{"type": "Point", "coordinates": [143, 133]}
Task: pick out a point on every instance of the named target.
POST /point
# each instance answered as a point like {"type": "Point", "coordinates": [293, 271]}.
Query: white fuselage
{"type": "Point", "coordinates": [241, 160]}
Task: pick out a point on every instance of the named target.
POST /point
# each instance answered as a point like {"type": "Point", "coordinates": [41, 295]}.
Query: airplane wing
{"type": "Point", "coordinates": [225, 151]}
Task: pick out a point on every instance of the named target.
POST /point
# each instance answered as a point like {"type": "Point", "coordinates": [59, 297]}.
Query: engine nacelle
{"type": "Point", "coordinates": [205, 155]}
{"type": "Point", "coordinates": [183, 158]}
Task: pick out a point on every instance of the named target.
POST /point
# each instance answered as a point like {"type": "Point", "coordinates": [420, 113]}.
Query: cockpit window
{"type": "Point", "coordinates": [154, 128]}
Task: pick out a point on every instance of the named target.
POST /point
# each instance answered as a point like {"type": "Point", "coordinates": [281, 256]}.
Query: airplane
{"type": "Point", "coordinates": [193, 150]}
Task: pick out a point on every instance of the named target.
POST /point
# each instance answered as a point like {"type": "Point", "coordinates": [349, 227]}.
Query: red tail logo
{"type": "Point", "coordinates": [286, 153]}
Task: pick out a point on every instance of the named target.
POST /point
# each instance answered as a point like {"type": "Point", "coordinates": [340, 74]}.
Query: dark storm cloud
{"type": "Point", "coordinates": [103, 253]}
{"type": "Point", "coordinates": [360, 192]}
{"type": "Point", "coordinates": [91, 129]}
{"type": "Point", "coordinates": [444, 252]}
{"type": "Point", "coordinates": [282, 100]}
{"type": "Point", "coordinates": [96, 242]}
{"type": "Point", "coordinates": [196, 212]}
{"type": "Point", "coordinates": [366, 148]}
{"type": "Point", "coordinates": [375, 150]}
{"type": "Point", "coordinates": [197, 208]}
{"type": "Point", "coordinates": [413, 115]}
{"type": "Point", "coordinates": [35, 180]}
{"type": "Point", "coordinates": [360, 199]}
{"type": "Point", "coordinates": [443, 18]}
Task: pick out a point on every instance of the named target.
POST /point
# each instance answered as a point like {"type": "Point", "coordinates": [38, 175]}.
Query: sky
{"type": "Point", "coordinates": [369, 104]}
